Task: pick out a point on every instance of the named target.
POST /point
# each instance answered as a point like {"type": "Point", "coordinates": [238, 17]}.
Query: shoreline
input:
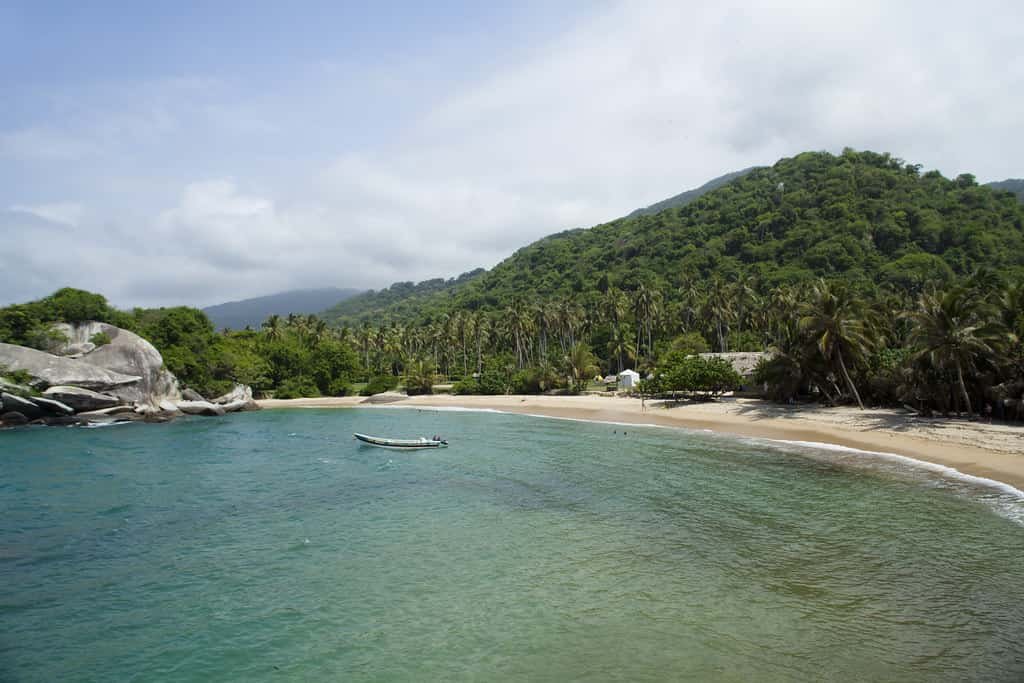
{"type": "Point", "coordinates": [978, 449]}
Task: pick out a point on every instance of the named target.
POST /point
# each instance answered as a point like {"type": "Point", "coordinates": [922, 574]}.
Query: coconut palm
{"type": "Point", "coordinates": [840, 327]}
{"type": "Point", "coordinates": [581, 365]}
{"type": "Point", "coordinates": [273, 327]}
{"type": "Point", "coordinates": [955, 331]}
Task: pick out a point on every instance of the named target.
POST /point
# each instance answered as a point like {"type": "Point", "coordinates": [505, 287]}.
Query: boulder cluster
{"type": "Point", "coordinates": [80, 382]}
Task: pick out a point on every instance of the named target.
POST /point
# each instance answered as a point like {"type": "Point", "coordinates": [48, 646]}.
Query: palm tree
{"type": "Point", "coordinates": [581, 365]}
{"type": "Point", "coordinates": [955, 331]}
{"type": "Point", "coordinates": [620, 345]}
{"type": "Point", "coordinates": [273, 327]}
{"type": "Point", "coordinates": [481, 330]}
{"type": "Point", "coordinates": [519, 321]}
{"type": "Point", "coordinates": [839, 326]}
{"type": "Point", "coordinates": [718, 310]}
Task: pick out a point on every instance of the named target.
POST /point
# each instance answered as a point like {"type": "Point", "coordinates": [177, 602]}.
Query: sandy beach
{"type": "Point", "coordinates": [993, 451]}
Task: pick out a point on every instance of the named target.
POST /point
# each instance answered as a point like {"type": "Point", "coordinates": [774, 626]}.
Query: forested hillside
{"type": "Point", "coordinates": [866, 280]}
{"type": "Point", "coordinates": [400, 300]}
{"type": "Point", "coordinates": [868, 218]}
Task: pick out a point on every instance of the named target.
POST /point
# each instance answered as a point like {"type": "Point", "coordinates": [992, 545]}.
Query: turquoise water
{"type": "Point", "coordinates": [270, 546]}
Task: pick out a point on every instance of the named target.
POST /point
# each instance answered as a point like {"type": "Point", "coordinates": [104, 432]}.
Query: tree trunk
{"type": "Point", "coordinates": [963, 389]}
{"type": "Point", "coordinates": [846, 376]}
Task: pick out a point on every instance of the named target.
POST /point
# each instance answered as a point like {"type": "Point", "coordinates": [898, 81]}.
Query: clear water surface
{"type": "Point", "coordinates": [271, 547]}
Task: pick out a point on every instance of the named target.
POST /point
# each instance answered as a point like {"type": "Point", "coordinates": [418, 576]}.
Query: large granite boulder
{"type": "Point", "coordinates": [200, 408]}
{"type": "Point", "coordinates": [192, 395]}
{"type": "Point", "coordinates": [129, 354]}
{"type": "Point", "coordinates": [48, 370]}
{"type": "Point", "coordinates": [240, 392]}
{"type": "Point", "coordinates": [239, 398]}
{"type": "Point", "coordinates": [81, 399]}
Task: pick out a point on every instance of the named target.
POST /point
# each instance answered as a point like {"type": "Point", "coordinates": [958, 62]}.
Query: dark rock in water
{"type": "Point", "coordinates": [51, 406]}
{"type": "Point", "coordinates": [13, 419]}
{"type": "Point", "coordinates": [158, 417]}
{"type": "Point", "coordinates": [21, 405]}
{"type": "Point", "coordinates": [81, 399]}
{"type": "Point", "coordinates": [192, 395]}
{"type": "Point", "coordinates": [107, 412]}
{"type": "Point", "coordinates": [62, 420]}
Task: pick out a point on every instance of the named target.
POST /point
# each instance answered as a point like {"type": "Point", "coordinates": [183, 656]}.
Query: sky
{"type": "Point", "coordinates": [197, 153]}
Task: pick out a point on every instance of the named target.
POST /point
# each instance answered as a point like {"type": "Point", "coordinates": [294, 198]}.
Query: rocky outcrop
{"type": "Point", "coordinates": [48, 405]}
{"type": "Point", "coordinates": [48, 370]}
{"type": "Point", "coordinates": [200, 408]}
{"type": "Point", "coordinates": [81, 399]}
{"type": "Point", "coordinates": [76, 350]}
{"type": "Point", "coordinates": [129, 354]}
{"type": "Point", "coordinates": [192, 395]}
{"type": "Point", "coordinates": [124, 379]}
{"type": "Point", "coordinates": [239, 398]}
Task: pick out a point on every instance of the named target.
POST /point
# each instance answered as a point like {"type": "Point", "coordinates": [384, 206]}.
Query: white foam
{"type": "Point", "coordinates": [97, 425]}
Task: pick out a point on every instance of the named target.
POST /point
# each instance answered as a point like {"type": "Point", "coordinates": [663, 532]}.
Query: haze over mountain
{"type": "Point", "coordinates": [1014, 185]}
{"type": "Point", "coordinates": [236, 315]}
{"type": "Point", "coordinates": [868, 217]}
{"type": "Point", "coordinates": [402, 298]}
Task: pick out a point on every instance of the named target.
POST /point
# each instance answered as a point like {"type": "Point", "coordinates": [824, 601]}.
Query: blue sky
{"type": "Point", "coordinates": [196, 153]}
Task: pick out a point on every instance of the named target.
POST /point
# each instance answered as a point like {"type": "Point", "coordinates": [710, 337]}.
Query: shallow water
{"type": "Point", "coordinates": [270, 546]}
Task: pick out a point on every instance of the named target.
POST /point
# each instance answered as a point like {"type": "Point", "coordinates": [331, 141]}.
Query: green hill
{"type": "Point", "coordinates": [868, 218]}
{"type": "Point", "coordinates": [400, 300]}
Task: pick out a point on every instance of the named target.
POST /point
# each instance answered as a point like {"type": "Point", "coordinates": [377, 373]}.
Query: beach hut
{"type": "Point", "coordinates": [628, 379]}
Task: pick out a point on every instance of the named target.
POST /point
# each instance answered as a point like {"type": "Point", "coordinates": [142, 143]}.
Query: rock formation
{"type": "Point", "coordinates": [124, 379]}
{"type": "Point", "coordinates": [129, 354]}
{"type": "Point", "coordinates": [48, 370]}
{"type": "Point", "coordinates": [81, 399]}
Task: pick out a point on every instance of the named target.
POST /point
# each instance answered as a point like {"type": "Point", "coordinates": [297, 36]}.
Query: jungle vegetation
{"type": "Point", "coordinates": [870, 282]}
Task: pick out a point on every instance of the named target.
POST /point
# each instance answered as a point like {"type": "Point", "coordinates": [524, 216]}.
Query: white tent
{"type": "Point", "coordinates": [628, 379]}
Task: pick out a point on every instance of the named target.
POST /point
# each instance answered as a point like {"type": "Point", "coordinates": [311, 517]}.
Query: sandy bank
{"type": "Point", "coordinates": [986, 450]}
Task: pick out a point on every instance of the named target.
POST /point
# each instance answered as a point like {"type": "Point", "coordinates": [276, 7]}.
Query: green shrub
{"type": "Point", "coordinates": [100, 339]}
{"type": "Point", "coordinates": [379, 384]}
{"type": "Point", "coordinates": [297, 387]}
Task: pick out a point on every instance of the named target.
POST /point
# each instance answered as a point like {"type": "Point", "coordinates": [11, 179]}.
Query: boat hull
{"type": "Point", "coordinates": [400, 444]}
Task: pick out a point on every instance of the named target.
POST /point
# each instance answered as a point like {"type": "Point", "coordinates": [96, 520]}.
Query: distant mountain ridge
{"type": "Point", "coordinates": [1014, 185]}
{"type": "Point", "coordinates": [236, 315]}
{"type": "Point", "coordinates": [684, 198]}
{"type": "Point", "coordinates": [396, 300]}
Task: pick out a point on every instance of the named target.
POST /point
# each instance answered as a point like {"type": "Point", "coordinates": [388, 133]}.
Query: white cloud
{"type": "Point", "coordinates": [68, 213]}
{"type": "Point", "coordinates": [637, 102]}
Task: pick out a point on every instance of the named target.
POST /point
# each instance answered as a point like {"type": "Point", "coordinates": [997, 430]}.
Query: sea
{"type": "Point", "coordinates": [271, 546]}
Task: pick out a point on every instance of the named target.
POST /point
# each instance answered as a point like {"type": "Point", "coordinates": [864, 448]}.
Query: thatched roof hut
{"type": "Point", "coordinates": [743, 362]}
